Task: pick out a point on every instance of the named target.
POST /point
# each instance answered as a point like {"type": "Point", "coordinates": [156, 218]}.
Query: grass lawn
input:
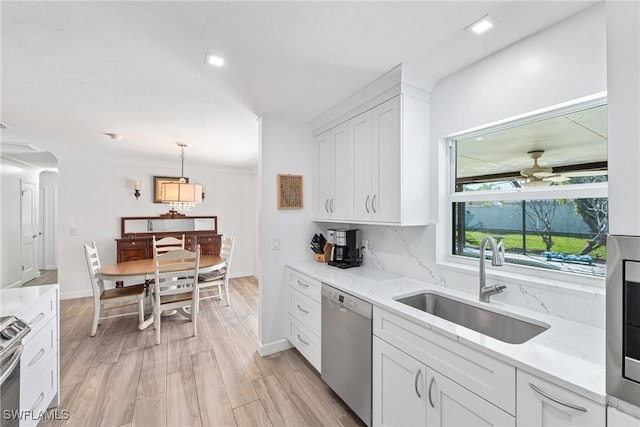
{"type": "Point", "coordinates": [535, 245]}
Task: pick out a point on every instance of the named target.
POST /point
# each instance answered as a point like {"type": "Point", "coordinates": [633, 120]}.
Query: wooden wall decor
{"type": "Point", "coordinates": [290, 192]}
{"type": "Point", "coordinates": [157, 186]}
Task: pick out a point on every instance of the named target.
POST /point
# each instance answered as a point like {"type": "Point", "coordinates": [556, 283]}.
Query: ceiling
{"type": "Point", "coordinates": [571, 139]}
{"type": "Point", "coordinates": [72, 71]}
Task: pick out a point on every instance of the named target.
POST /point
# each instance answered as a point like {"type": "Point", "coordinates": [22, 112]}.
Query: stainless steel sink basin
{"type": "Point", "coordinates": [504, 328]}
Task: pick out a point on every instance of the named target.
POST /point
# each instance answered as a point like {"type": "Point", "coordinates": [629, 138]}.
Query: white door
{"type": "Point", "coordinates": [541, 403]}
{"type": "Point", "coordinates": [324, 173]}
{"type": "Point", "coordinates": [28, 231]}
{"type": "Point", "coordinates": [399, 387]}
{"type": "Point", "coordinates": [342, 173]}
{"type": "Point", "coordinates": [451, 405]}
{"type": "Point", "coordinates": [386, 162]}
{"type": "Point", "coordinates": [360, 136]}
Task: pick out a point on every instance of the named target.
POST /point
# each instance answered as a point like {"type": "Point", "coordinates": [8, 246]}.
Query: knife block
{"type": "Point", "coordinates": [326, 255]}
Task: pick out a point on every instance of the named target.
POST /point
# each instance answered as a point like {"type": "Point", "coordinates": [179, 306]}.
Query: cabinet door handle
{"type": "Point", "coordinates": [302, 341]}
{"type": "Point", "coordinates": [558, 401]}
{"type": "Point", "coordinates": [36, 319]}
{"type": "Point", "coordinates": [415, 383]}
{"type": "Point", "coordinates": [429, 394]}
{"type": "Point", "coordinates": [37, 358]}
{"type": "Point", "coordinates": [373, 204]}
{"type": "Point", "coordinates": [302, 309]}
{"type": "Point", "coordinates": [38, 402]}
{"type": "Point", "coordinates": [366, 204]}
{"type": "Point", "coordinates": [304, 285]}
{"type": "Point", "coordinates": [325, 206]}
{"type": "Point", "coordinates": [331, 205]}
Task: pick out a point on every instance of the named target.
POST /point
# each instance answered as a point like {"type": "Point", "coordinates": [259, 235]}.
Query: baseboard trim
{"type": "Point", "coordinates": [14, 284]}
{"type": "Point", "coordinates": [76, 294]}
{"type": "Point", "coordinates": [241, 274]}
{"type": "Point", "coordinates": [274, 347]}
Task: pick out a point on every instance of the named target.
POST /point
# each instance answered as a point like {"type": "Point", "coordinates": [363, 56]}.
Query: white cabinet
{"type": "Point", "coordinates": [334, 173]}
{"type": "Point", "coordinates": [541, 403]}
{"type": "Point", "coordinates": [617, 418]}
{"type": "Point", "coordinates": [374, 168]}
{"type": "Point", "coordinates": [399, 396]}
{"type": "Point", "coordinates": [304, 315]}
{"type": "Point", "coordinates": [408, 393]}
{"type": "Point", "coordinates": [452, 405]}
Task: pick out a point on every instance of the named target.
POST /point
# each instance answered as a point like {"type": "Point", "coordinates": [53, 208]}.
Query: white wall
{"type": "Point", "coordinates": [623, 48]}
{"type": "Point", "coordinates": [564, 62]}
{"type": "Point", "coordinates": [10, 251]}
{"type": "Point", "coordinates": [286, 147]}
{"type": "Point", "coordinates": [95, 193]}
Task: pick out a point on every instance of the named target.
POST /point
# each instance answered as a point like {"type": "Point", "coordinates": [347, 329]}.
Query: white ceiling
{"type": "Point", "coordinates": [73, 70]}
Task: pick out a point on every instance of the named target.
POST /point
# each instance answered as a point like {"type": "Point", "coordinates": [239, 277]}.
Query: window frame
{"type": "Point", "coordinates": [516, 273]}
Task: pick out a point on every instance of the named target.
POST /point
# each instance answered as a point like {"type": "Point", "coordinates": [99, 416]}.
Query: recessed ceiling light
{"type": "Point", "coordinates": [214, 60]}
{"type": "Point", "coordinates": [482, 25]}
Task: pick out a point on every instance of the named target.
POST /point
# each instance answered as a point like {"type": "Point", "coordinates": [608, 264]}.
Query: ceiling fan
{"type": "Point", "coordinates": [540, 175]}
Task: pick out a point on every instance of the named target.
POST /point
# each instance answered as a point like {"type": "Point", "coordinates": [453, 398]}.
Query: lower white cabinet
{"type": "Point", "coordinates": [541, 403]}
{"type": "Point", "coordinates": [617, 418]}
{"type": "Point", "coordinates": [305, 310]}
{"type": "Point", "coordinates": [399, 392]}
{"type": "Point", "coordinates": [408, 393]}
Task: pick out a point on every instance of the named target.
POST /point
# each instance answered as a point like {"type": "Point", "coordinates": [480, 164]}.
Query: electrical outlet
{"type": "Point", "coordinates": [276, 244]}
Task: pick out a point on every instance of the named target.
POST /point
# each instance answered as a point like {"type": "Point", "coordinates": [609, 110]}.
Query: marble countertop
{"type": "Point", "coordinates": [569, 354]}
{"type": "Point", "coordinates": [15, 300]}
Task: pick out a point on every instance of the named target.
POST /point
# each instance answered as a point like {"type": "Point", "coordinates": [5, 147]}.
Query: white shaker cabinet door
{"type": "Point", "coordinates": [324, 174]}
{"type": "Point", "coordinates": [360, 136]}
{"type": "Point", "coordinates": [342, 174]}
{"type": "Point", "coordinates": [399, 392]}
{"type": "Point", "coordinates": [386, 198]}
{"type": "Point", "coordinates": [541, 403]}
{"type": "Point", "coordinates": [450, 404]}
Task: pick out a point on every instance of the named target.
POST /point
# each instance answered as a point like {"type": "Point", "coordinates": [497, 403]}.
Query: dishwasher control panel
{"type": "Point", "coordinates": [346, 301]}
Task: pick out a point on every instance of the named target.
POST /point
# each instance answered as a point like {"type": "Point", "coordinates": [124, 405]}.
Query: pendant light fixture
{"type": "Point", "coordinates": [181, 195]}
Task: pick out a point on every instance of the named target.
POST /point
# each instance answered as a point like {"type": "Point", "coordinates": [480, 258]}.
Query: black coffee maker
{"type": "Point", "coordinates": [346, 248]}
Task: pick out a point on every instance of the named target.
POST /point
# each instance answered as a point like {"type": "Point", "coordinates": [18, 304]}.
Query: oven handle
{"type": "Point", "coordinates": [6, 373]}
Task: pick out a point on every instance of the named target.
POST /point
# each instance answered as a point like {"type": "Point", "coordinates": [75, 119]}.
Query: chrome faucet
{"type": "Point", "coordinates": [496, 260]}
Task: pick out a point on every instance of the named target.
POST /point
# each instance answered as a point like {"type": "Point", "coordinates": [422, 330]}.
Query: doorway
{"type": "Point", "coordinates": [28, 231]}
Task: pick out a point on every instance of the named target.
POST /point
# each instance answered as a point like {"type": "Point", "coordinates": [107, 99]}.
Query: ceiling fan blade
{"type": "Point", "coordinates": [543, 173]}
{"type": "Point", "coordinates": [557, 178]}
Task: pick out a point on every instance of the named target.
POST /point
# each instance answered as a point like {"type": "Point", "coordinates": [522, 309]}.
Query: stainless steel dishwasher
{"type": "Point", "coordinates": [346, 349]}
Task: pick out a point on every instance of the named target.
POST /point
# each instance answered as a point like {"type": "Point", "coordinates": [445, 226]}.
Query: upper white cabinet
{"type": "Point", "coordinates": [372, 163]}
{"type": "Point", "coordinates": [334, 171]}
{"type": "Point", "coordinates": [374, 167]}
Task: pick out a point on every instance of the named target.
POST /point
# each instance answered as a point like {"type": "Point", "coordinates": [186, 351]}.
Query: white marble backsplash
{"type": "Point", "coordinates": [410, 252]}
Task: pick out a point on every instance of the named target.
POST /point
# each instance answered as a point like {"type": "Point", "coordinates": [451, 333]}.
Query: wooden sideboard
{"type": "Point", "coordinates": [139, 244]}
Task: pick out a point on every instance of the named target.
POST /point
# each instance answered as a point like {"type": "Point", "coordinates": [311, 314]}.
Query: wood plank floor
{"type": "Point", "coordinates": [121, 378]}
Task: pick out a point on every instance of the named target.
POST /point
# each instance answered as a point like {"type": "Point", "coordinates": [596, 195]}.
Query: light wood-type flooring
{"type": "Point", "coordinates": [47, 277]}
{"type": "Point", "coordinates": [121, 378]}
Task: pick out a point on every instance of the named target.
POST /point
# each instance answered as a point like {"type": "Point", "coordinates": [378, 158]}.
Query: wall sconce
{"type": "Point", "coordinates": [203, 192]}
{"type": "Point", "coordinates": [136, 188]}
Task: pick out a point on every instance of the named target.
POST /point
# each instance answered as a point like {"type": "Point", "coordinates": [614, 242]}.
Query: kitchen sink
{"type": "Point", "coordinates": [499, 326]}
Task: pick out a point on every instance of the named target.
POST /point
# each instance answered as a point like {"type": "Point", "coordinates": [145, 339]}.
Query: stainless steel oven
{"type": "Point", "coordinates": [623, 318]}
{"type": "Point", "coordinates": [12, 331]}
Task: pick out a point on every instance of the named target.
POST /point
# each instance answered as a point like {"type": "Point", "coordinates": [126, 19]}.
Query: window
{"type": "Point", "coordinates": [538, 186]}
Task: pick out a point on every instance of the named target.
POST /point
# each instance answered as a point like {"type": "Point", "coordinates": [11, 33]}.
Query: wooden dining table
{"type": "Point", "coordinates": [143, 269]}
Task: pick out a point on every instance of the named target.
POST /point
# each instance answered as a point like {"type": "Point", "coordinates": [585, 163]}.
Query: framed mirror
{"type": "Point", "coordinates": [133, 226]}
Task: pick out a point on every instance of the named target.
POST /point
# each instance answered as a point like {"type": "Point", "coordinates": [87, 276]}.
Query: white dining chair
{"type": "Point", "coordinates": [134, 294]}
{"type": "Point", "coordinates": [176, 284]}
{"type": "Point", "coordinates": [220, 277]}
{"type": "Point", "coordinates": [166, 244]}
